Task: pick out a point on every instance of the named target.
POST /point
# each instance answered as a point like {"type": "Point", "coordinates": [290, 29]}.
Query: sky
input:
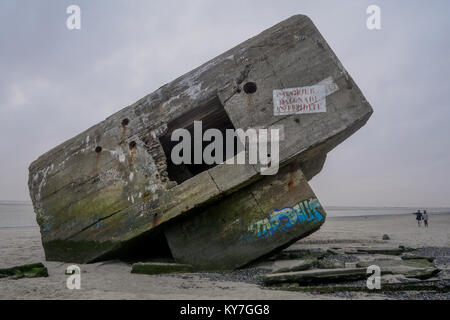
{"type": "Point", "coordinates": [56, 82]}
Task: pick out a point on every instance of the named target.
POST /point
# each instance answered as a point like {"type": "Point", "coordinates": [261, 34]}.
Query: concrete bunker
{"type": "Point", "coordinates": [220, 219]}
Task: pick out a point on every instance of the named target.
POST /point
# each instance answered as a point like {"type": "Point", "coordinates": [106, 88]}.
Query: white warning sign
{"type": "Point", "coordinates": [300, 100]}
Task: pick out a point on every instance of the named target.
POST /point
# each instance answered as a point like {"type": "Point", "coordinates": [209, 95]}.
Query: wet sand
{"type": "Point", "coordinates": [113, 280]}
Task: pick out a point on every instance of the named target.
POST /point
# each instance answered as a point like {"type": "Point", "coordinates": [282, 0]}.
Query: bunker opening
{"type": "Point", "coordinates": [212, 115]}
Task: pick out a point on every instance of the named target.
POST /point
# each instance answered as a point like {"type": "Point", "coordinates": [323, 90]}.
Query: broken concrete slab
{"type": "Point", "coordinates": [316, 276]}
{"type": "Point", "coordinates": [151, 268]}
{"type": "Point", "coordinates": [351, 251]}
{"type": "Point", "coordinates": [406, 249]}
{"type": "Point", "coordinates": [429, 285]}
{"type": "Point", "coordinates": [416, 273]}
{"type": "Point", "coordinates": [35, 270]}
{"type": "Point", "coordinates": [416, 257]}
{"type": "Point", "coordinates": [330, 263]}
{"type": "Point", "coordinates": [335, 251]}
{"type": "Point", "coordinates": [281, 266]}
{"type": "Point", "coordinates": [397, 278]}
{"type": "Point", "coordinates": [350, 265]}
{"type": "Point", "coordinates": [413, 268]}
{"type": "Point", "coordinates": [294, 265]}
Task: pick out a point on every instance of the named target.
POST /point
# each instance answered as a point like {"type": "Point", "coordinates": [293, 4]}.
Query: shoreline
{"type": "Point", "coordinates": [349, 217]}
{"type": "Point", "coordinates": [387, 215]}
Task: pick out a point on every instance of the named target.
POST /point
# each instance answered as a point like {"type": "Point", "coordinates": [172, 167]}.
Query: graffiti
{"type": "Point", "coordinates": [281, 220]}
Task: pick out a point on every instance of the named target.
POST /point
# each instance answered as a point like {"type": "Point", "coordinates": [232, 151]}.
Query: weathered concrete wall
{"type": "Point", "coordinates": [248, 224]}
{"type": "Point", "coordinates": [110, 183]}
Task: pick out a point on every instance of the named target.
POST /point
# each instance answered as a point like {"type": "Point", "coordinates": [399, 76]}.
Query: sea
{"type": "Point", "coordinates": [20, 214]}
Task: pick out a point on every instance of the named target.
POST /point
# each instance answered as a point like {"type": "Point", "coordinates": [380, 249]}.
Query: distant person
{"type": "Point", "coordinates": [425, 218]}
{"type": "Point", "coordinates": [418, 217]}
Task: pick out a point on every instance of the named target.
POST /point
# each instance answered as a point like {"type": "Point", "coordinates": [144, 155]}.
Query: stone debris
{"type": "Point", "coordinates": [316, 276]}
{"type": "Point", "coordinates": [415, 257]}
{"type": "Point", "coordinates": [302, 254]}
{"type": "Point", "coordinates": [35, 270]}
{"type": "Point", "coordinates": [413, 268]}
{"type": "Point", "coordinates": [288, 265]}
{"type": "Point", "coordinates": [399, 269]}
{"type": "Point", "coordinates": [330, 263]}
{"type": "Point", "coordinates": [419, 287]}
{"type": "Point", "coordinates": [321, 270]}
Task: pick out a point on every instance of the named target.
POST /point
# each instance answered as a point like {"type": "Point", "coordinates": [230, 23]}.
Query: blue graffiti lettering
{"type": "Point", "coordinates": [284, 219]}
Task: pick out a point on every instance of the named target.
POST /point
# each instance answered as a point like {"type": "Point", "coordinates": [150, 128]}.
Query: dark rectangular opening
{"type": "Point", "coordinates": [213, 116]}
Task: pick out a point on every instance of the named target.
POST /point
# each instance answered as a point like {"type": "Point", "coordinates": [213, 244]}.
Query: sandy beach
{"type": "Point", "coordinates": [113, 280]}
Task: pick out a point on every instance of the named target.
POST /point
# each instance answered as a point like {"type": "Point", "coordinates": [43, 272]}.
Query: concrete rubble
{"type": "Point", "coordinates": [35, 270]}
{"type": "Point", "coordinates": [327, 272]}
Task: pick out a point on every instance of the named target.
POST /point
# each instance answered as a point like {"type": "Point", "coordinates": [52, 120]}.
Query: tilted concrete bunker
{"type": "Point", "coordinates": [113, 189]}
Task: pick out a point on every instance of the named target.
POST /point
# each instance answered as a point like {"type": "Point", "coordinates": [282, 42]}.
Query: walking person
{"type": "Point", "coordinates": [418, 217]}
{"type": "Point", "coordinates": [425, 218]}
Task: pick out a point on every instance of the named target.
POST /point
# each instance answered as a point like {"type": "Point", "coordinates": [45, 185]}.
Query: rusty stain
{"type": "Point", "coordinates": [149, 139]}
{"type": "Point", "coordinates": [155, 144]}
{"type": "Point", "coordinates": [185, 210]}
{"type": "Point", "coordinates": [250, 100]}
{"type": "Point", "coordinates": [132, 154]}
{"type": "Point", "coordinates": [97, 161]}
{"type": "Point", "coordinates": [146, 196]}
{"type": "Point", "coordinates": [291, 180]}
{"type": "Point", "coordinates": [156, 221]}
{"type": "Point", "coordinates": [133, 150]}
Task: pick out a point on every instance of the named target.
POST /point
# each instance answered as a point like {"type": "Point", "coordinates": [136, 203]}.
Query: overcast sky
{"type": "Point", "coordinates": [55, 82]}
